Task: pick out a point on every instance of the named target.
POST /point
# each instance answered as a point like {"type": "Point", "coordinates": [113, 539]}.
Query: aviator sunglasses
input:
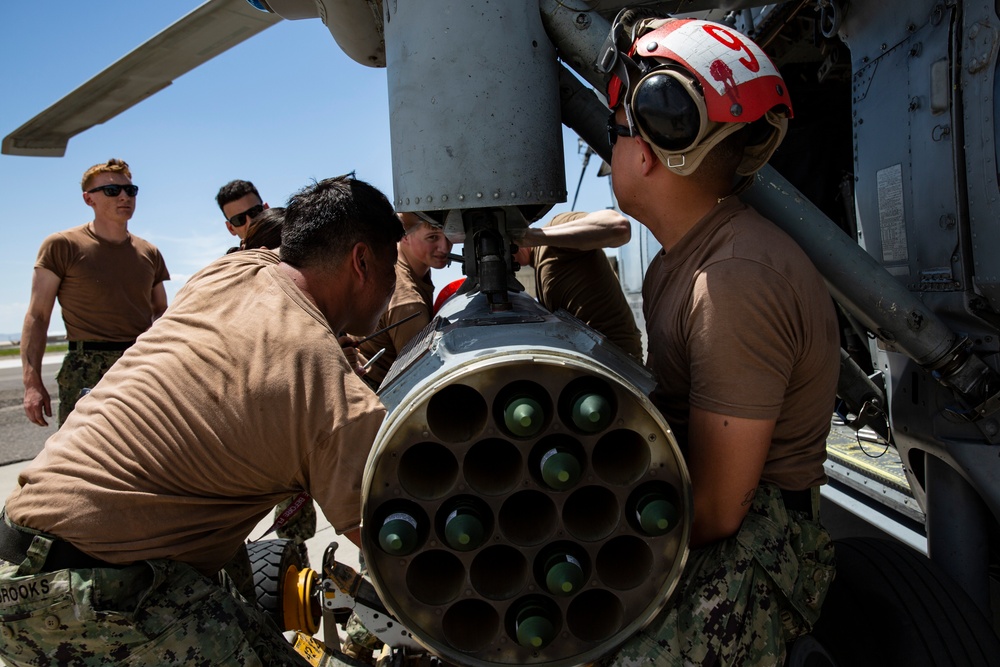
{"type": "Point", "coordinates": [240, 219]}
{"type": "Point", "coordinates": [115, 189]}
{"type": "Point", "coordinates": [615, 130]}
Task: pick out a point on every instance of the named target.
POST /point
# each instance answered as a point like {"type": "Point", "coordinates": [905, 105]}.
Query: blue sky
{"type": "Point", "coordinates": [280, 109]}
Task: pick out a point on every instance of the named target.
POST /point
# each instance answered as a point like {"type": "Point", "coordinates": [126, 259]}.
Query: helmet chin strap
{"type": "Point", "coordinates": [757, 155]}
{"type": "Point", "coordinates": [685, 163]}
{"type": "Point", "coordinates": [754, 156]}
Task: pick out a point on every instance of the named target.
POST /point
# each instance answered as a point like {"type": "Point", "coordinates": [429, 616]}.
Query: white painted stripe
{"type": "Point", "coordinates": [879, 520]}
{"type": "Point", "coordinates": [48, 359]}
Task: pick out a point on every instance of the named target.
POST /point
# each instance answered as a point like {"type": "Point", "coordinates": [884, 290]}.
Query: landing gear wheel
{"type": "Point", "coordinates": [807, 652]}
{"type": "Point", "coordinates": [270, 562]}
{"type": "Point", "coordinates": [889, 605]}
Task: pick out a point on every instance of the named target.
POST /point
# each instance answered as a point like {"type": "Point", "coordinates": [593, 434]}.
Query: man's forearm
{"type": "Point", "coordinates": [33, 339]}
{"type": "Point", "coordinates": [601, 229]}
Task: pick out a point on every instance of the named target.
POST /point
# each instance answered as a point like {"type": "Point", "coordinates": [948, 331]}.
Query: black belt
{"type": "Point", "coordinates": [798, 501]}
{"type": "Point", "coordinates": [62, 555]}
{"type": "Point", "coordinates": [100, 345]}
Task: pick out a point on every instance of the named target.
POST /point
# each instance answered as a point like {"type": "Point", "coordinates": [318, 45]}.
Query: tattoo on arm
{"type": "Point", "coordinates": [748, 498]}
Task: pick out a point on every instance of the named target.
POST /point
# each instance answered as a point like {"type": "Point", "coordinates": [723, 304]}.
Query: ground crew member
{"type": "Point", "coordinates": [240, 203]}
{"type": "Point", "coordinates": [743, 340]}
{"type": "Point", "coordinates": [110, 288]}
{"type": "Point", "coordinates": [424, 247]}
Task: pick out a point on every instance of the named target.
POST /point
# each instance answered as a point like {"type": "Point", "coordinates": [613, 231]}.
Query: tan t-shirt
{"type": "Point", "coordinates": [583, 283]}
{"type": "Point", "coordinates": [414, 294]}
{"type": "Point", "coordinates": [107, 288]}
{"type": "Point", "coordinates": [740, 323]}
{"type": "Point", "coordinates": [238, 397]}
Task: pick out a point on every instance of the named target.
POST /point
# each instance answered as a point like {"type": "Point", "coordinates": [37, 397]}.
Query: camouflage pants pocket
{"type": "Point", "coordinates": [795, 552]}
{"type": "Point", "coordinates": [817, 568]}
{"type": "Point", "coordinates": [152, 613]}
{"type": "Point", "coordinates": [49, 618]}
{"type": "Point", "coordinates": [79, 371]}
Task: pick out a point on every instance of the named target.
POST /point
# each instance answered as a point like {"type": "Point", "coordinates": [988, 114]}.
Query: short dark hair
{"type": "Point", "coordinates": [264, 231]}
{"type": "Point", "coordinates": [325, 220]}
{"type": "Point", "coordinates": [234, 190]}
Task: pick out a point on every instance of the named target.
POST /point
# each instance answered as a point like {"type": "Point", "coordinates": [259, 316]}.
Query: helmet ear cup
{"type": "Point", "coordinates": [666, 111]}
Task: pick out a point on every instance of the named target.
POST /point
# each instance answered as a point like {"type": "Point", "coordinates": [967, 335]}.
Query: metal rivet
{"type": "Point", "coordinates": [479, 195]}
{"type": "Point", "coordinates": [736, 110]}
{"type": "Point", "coordinates": [429, 199]}
{"type": "Point", "coordinates": [461, 197]}
{"type": "Point", "coordinates": [651, 46]}
{"type": "Point", "coordinates": [444, 197]}
{"type": "Point", "coordinates": [496, 195]}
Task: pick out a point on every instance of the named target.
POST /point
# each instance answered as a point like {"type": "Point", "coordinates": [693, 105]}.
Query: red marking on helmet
{"type": "Point", "coordinates": [722, 73]}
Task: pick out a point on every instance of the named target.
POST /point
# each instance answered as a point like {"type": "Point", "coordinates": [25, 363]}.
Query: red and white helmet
{"type": "Point", "coordinates": [686, 84]}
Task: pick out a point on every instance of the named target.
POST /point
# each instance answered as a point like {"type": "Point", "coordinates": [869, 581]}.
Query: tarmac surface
{"type": "Point", "coordinates": [20, 440]}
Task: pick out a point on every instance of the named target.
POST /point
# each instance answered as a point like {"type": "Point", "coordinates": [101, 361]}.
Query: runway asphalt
{"type": "Point", "coordinates": [20, 440]}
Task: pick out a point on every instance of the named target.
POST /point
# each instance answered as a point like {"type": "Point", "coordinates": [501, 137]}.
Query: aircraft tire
{"type": "Point", "coordinates": [269, 561]}
{"type": "Point", "coordinates": [890, 605]}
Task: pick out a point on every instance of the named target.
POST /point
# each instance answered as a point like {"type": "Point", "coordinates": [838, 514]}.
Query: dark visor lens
{"type": "Point", "coordinates": [115, 190]}
{"type": "Point", "coordinates": [240, 219]}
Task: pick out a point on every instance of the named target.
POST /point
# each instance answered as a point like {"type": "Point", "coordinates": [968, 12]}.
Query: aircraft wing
{"type": "Point", "coordinates": [204, 33]}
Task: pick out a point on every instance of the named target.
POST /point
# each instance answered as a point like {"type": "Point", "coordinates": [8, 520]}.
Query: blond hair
{"type": "Point", "coordinates": [113, 166]}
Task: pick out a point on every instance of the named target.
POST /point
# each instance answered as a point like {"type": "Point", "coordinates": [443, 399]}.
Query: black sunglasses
{"type": "Point", "coordinates": [615, 130]}
{"type": "Point", "coordinates": [240, 219]}
{"type": "Point", "coordinates": [115, 190]}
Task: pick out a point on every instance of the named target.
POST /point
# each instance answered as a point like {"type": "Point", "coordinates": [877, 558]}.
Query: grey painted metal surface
{"type": "Point", "coordinates": [977, 82]}
{"type": "Point", "coordinates": [474, 111]}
